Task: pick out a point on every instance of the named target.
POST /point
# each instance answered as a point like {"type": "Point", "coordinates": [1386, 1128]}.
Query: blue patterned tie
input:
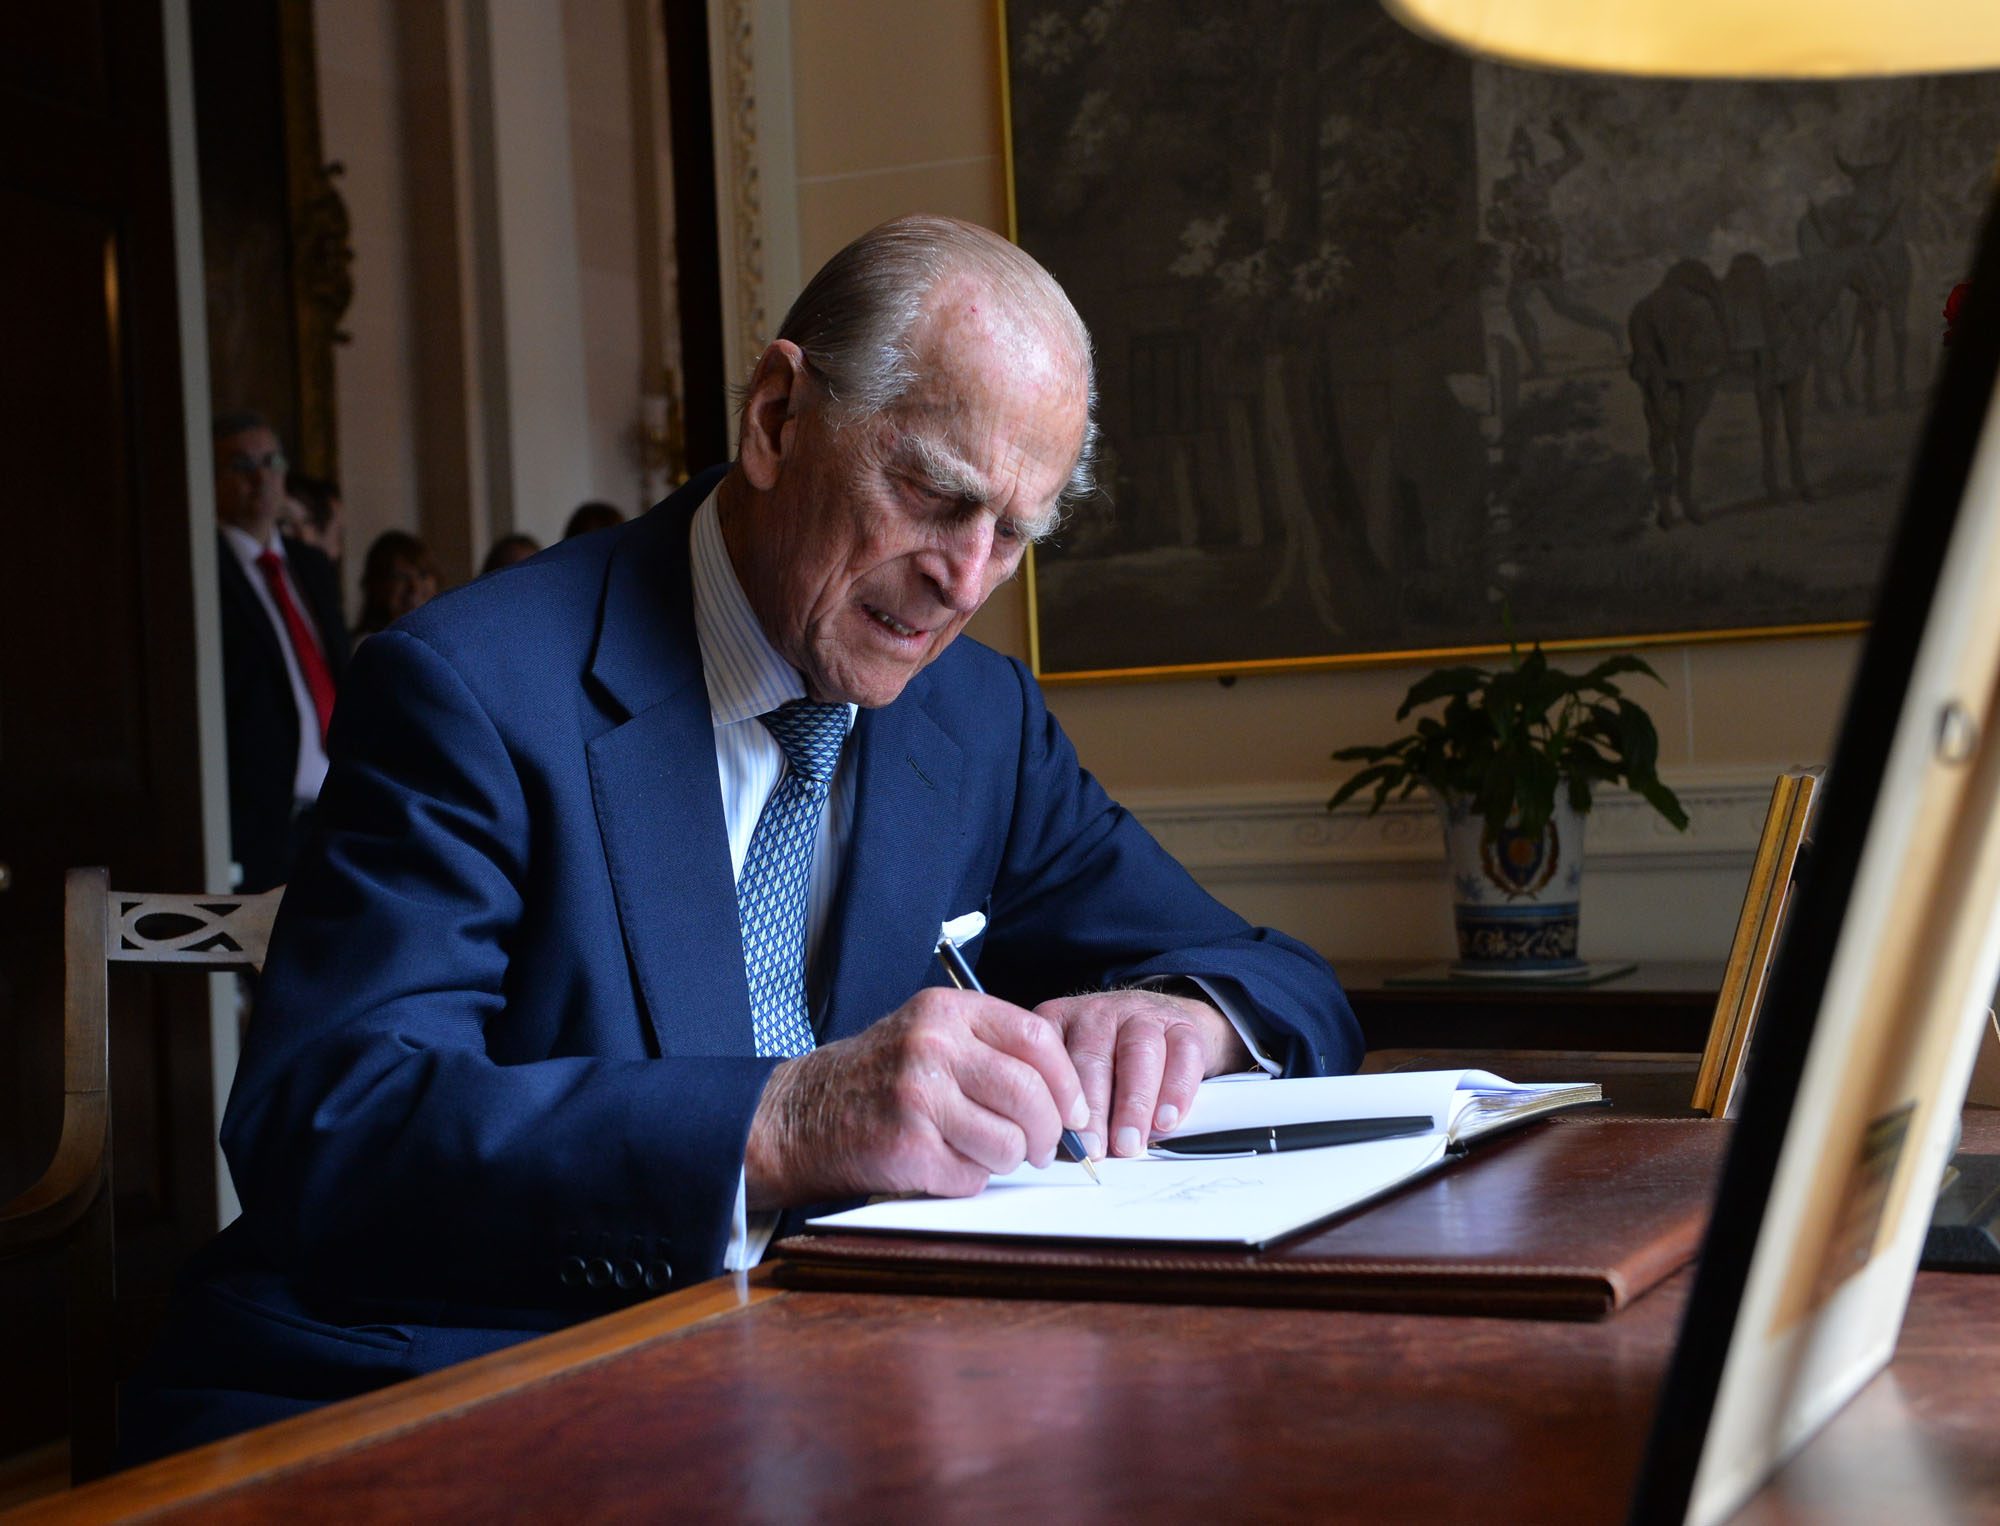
{"type": "Point", "coordinates": [771, 890]}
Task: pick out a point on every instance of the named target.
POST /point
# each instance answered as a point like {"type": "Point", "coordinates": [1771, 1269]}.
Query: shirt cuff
{"type": "Point", "coordinates": [1247, 1029]}
{"type": "Point", "coordinates": [749, 1233]}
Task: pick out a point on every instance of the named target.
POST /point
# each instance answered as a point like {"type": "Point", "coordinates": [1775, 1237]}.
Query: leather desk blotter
{"type": "Point", "coordinates": [1572, 1218]}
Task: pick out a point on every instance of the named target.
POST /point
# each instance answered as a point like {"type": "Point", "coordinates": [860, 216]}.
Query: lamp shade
{"type": "Point", "coordinates": [1721, 39]}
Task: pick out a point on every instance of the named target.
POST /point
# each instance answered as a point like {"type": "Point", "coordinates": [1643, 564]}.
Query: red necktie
{"type": "Point", "coordinates": [312, 665]}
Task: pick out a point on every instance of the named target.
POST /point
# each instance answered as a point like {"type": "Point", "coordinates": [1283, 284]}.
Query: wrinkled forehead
{"type": "Point", "coordinates": [982, 371]}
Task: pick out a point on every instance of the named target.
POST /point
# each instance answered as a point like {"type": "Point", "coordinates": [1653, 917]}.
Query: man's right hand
{"type": "Point", "coordinates": [950, 1088]}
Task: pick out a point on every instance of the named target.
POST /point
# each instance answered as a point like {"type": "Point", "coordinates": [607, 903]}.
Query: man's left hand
{"type": "Point", "coordinates": [1140, 1055]}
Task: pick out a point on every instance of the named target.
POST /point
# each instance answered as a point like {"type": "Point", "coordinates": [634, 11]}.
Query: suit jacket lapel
{"type": "Point", "coordinates": [234, 584]}
{"type": "Point", "coordinates": [882, 937]}
{"type": "Point", "coordinates": [659, 806]}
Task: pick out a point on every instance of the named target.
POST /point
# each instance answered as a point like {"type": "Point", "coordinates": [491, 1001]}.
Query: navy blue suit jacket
{"type": "Point", "coordinates": [504, 1035]}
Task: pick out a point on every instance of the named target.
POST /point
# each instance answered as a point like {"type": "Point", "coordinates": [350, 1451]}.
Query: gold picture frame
{"type": "Point", "coordinates": [1161, 591]}
{"type": "Point", "coordinates": [1787, 832]}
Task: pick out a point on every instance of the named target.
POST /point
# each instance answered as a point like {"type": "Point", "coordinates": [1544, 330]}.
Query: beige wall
{"type": "Point", "coordinates": [896, 108]}
{"type": "Point", "coordinates": [596, 39]}
{"type": "Point", "coordinates": [454, 339]}
{"type": "Point", "coordinates": [374, 377]}
{"type": "Point", "coordinates": [924, 133]}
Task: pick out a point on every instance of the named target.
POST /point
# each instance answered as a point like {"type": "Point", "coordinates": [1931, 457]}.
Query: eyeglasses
{"type": "Point", "coordinates": [246, 465]}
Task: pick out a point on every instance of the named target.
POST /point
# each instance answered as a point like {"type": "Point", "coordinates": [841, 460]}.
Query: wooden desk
{"type": "Point", "coordinates": [1660, 1007]}
{"type": "Point", "coordinates": [733, 1401]}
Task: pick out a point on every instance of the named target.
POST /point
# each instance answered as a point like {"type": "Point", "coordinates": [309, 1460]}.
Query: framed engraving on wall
{"type": "Point", "coordinates": [1393, 344]}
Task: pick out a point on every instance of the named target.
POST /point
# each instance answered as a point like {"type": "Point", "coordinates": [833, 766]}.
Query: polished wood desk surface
{"type": "Point", "coordinates": [736, 1401]}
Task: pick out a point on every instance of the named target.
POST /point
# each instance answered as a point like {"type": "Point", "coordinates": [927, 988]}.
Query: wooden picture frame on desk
{"type": "Point", "coordinates": [1877, 995]}
{"type": "Point", "coordinates": [1787, 832]}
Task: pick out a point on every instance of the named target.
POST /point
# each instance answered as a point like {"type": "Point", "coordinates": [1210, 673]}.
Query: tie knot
{"type": "Point", "coordinates": [811, 736]}
{"type": "Point", "coordinates": [270, 561]}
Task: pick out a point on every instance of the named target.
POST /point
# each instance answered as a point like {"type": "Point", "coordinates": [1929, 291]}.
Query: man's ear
{"type": "Point", "coordinates": [780, 389]}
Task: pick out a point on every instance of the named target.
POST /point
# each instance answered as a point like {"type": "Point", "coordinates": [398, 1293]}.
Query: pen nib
{"type": "Point", "coordinates": [1094, 1177]}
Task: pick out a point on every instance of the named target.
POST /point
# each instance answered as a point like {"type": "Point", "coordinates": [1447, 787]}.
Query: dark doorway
{"type": "Point", "coordinates": [98, 755]}
{"type": "Point", "coordinates": [274, 228]}
{"type": "Point", "coordinates": [692, 135]}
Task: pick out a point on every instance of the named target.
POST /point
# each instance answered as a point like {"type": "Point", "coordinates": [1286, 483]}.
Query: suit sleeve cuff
{"type": "Point", "coordinates": [749, 1234]}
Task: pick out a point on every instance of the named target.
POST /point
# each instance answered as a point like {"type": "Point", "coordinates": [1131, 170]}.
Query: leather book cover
{"type": "Point", "coordinates": [1571, 1218]}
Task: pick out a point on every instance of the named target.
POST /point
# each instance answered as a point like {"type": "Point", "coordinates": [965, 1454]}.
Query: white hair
{"type": "Point", "coordinates": [853, 320]}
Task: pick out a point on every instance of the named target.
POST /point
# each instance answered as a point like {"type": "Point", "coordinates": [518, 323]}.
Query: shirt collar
{"type": "Point", "coordinates": [746, 675]}
{"type": "Point", "coordinates": [247, 547]}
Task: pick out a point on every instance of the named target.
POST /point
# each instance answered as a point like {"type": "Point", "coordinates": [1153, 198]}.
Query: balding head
{"type": "Point", "coordinates": [919, 420]}
{"type": "Point", "coordinates": [859, 322]}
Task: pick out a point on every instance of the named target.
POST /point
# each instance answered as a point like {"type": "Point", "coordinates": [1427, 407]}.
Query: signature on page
{"type": "Point", "coordinates": [1196, 1192]}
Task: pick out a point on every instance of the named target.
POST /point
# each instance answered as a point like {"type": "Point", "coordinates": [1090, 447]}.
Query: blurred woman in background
{"type": "Point", "coordinates": [313, 512]}
{"type": "Point", "coordinates": [594, 515]}
{"type": "Point", "coordinates": [399, 575]}
{"type": "Point", "coordinates": [508, 550]}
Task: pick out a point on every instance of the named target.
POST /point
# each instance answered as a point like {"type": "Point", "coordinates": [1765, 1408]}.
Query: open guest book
{"type": "Point", "coordinates": [1571, 1218]}
{"type": "Point", "coordinates": [1246, 1199]}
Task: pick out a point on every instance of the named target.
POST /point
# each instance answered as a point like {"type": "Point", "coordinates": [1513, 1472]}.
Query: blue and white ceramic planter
{"type": "Point", "coordinates": [1514, 900]}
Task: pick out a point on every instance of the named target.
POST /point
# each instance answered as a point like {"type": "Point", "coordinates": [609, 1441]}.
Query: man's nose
{"type": "Point", "coordinates": [959, 569]}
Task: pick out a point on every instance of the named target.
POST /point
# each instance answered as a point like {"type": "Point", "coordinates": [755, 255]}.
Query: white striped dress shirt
{"type": "Point", "coordinates": [310, 773]}
{"type": "Point", "coordinates": [747, 677]}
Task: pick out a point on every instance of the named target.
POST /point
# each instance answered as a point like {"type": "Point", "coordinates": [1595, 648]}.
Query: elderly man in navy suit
{"type": "Point", "coordinates": [618, 947]}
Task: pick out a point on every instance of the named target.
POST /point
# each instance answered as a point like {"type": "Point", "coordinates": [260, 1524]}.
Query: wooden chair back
{"type": "Point", "coordinates": [69, 1205]}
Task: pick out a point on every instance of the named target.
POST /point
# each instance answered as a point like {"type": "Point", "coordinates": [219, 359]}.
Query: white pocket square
{"type": "Point", "coordinates": [963, 929]}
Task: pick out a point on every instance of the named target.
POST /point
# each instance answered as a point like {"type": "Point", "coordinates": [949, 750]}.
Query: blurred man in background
{"type": "Point", "coordinates": [284, 648]}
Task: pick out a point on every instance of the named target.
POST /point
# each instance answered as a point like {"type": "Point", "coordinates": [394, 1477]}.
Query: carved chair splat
{"type": "Point", "coordinates": [69, 1205]}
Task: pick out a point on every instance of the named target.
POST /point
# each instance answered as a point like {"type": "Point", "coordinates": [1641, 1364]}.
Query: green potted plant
{"type": "Point", "coordinates": [1511, 761]}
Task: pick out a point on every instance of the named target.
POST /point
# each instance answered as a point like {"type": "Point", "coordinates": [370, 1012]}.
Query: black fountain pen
{"type": "Point", "coordinates": [1270, 1139]}
{"type": "Point", "coordinates": [962, 977]}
